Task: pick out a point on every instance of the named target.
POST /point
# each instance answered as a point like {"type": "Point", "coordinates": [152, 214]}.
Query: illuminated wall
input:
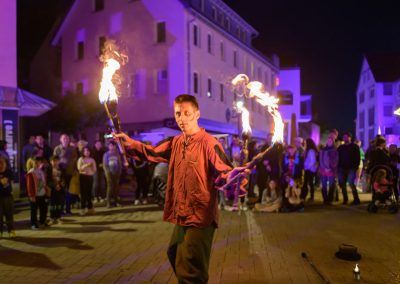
{"type": "Point", "coordinates": [8, 43]}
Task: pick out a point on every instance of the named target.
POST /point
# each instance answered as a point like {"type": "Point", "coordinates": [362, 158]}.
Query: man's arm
{"type": "Point", "coordinates": [161, 153]}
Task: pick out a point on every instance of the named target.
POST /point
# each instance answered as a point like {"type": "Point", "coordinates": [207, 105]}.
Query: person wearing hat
{"type": "Point", "coordinates": [349, 160]}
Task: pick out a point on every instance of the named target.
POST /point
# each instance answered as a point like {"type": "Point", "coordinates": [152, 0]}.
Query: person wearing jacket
{"type": "Point", "coordinates": [197, 163]}
{"type": "Point", "coordinates": [38, 193]}
{"type": "Point", "coordinates": [328, 161]}
{"type": "Point", "coordinates": [310, 168]}
{"type": "Point", "coordinates": [349, 160]}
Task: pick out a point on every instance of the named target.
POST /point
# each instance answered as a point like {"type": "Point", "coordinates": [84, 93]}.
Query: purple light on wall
{"type": "Point", "coordinates": [116, 23]}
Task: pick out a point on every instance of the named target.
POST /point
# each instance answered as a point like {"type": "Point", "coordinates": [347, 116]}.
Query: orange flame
{"type": "Point", "coordinates": [108, 91]}
{"type": "Point", "coordinates": [245, 118]}
{"type": "Point", "coordinates": [266, 100]}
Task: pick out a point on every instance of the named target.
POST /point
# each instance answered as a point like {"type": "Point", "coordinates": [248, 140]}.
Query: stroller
{"type": "Point", "coordinates": [384, 199]}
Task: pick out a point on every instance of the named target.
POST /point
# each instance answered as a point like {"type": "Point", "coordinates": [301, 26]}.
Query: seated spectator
{"type": "Point", "coordinates": [271, 200]}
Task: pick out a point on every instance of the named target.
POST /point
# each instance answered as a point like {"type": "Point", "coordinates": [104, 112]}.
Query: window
{"type": "Point", "coordinates": [387, 89]}
{"type": "Point", "coordinates": [259, 74]}
{"type": "Point", "coordinates": [285, 97]}
{"type": "Point", "coordinates": [214, 13]}
{"type": "Point", "coordinates": [361, 119]}
{"type": "Point", "coordinates": [195, 83]}
{"type": "Point", "coordinates": [371, 134]}
{"type": "Point", "coordinates": [162, 82]}
{"type": "Point", "coordinates": [209, 88]}
{"type": "Point", "coordinates": [222, 51]}
{"type": "Point", "coordinates": [303, 108]}
{"type": "Point", "coordinates": [98, 5]}
{"type": "Point", "coordinates": [196, 37]}
{"type": "Point", "coordinates": [202, 5]}
{"type": "Point", "coordinates": [371, 93]}
{"type": "Point", "coordinates": [266, 79]}
{"type": "Point", "coordinates": [361, 136]}
{"type": "Point", "coordinates": [272, 81]}
{"type": "Point", "coordinates": [102, 41]}
{"type": "Point", "coordinates": [361, 97]}
{"type": "Point", "coordinates": [235, 59]}
{"type": "Point", "coordinates": [227, 24]}
{"type": "Point", "coordinates": [388, 130]}
{"type": "Point", "coordinates": [388, 110]}
{"type": "Point", "coordinates": [371, 117]}
{"type": "Point", "coordinates": [79, 88]}
{"type": "Point", "coordinates": [209, 44]}
{"type": "Point", "coordinates": [221, 92]}
{"type": "Point", "coordinates": [80, 50]}
{"type": "Point", "coordinates": [161, 32]}
{"type": "Point", "coordinates": [252, 69]}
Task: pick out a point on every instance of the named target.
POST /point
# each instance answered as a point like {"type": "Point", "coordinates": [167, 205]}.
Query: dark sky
{"type": "Point", "coordinates": [326, 39]}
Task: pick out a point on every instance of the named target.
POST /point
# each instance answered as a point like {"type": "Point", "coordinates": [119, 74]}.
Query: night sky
{"type": "Point", "coordinates": [326, 39]}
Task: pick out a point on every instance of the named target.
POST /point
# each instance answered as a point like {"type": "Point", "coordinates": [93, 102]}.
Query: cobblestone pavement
{"type": "Point", "coordinates": [127, 245]}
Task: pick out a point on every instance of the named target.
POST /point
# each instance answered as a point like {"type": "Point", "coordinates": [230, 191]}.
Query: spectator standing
{"type": "Point", "coordinates": [87, 169]}
{"type": "Point", "coordinates": [6, 199]}
{"type": "Point", "coordinates": [349, 161]}
{"type": "Point", "coordinates": [98, 191]}
{"type": "Point", "coordinates": [68, 160]}
{"type": "Point", "coordinates": [112, 165]}
{"type": "Point", "coordinates": [37, 193]}
{"type": "Point", "coordinates": [310, 168]}
{"type": "Point", "coordinates": [141, 171]}
{"type": "Point", "coordinates": [328, 162]}
{"type": "Point", "coordinates": [394, 165]}
{"type": "Point", "coordinates": [40, 143]}
{"type": "Point", "coordinates": [57, 185]}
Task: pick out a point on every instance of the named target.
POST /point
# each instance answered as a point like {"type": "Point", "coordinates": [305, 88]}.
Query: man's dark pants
{"type": "Point", "coordinates": [344, 176]}
{"type": "Point", "coordinates": [189, 253]}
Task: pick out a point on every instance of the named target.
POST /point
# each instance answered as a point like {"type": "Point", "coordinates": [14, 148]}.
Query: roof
{"type": "Point", "coordinates": [384, 66]}
{"type": "Point", "coordinates": [27, 103]}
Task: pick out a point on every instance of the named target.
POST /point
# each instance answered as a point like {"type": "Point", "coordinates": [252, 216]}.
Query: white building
{"type": "Point", "coordinates": [175, 46]}
{"type": "Point", "coordinates": [378, 96]}
{"type": "Point", "coordinates": [293, 103]}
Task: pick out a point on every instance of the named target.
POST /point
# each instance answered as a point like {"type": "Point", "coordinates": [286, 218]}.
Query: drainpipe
{"type": "Point", "coordinates": [188, 56]}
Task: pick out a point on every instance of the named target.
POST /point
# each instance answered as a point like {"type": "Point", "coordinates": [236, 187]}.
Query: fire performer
{"type": "Point", "coordinates": [197, 165]}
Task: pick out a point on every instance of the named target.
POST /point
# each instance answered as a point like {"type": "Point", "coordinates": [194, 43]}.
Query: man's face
{"type": "Point", "coordinates": [64, 139]}
{"type": "Point", "coordinates": [346, 138]}
{"type": "Point", "coordinates": [98, 145]}
{"type": "Point", "coordinates": [39, 140]}
{"type": "Point", "coordinates": [186, 117]}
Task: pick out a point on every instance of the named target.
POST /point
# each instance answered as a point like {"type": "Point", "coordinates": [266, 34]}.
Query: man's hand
{"type": "Point", "coordinates": [123, 138]}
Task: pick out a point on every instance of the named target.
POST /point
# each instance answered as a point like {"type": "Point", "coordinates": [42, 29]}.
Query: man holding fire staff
{"type": "Point", "coordinates": [197, 164]}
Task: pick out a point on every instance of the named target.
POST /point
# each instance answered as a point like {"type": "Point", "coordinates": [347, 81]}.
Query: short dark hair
{"type": "Point", "coordinates": [187, 98]}
{"type": "Point", "coordinates": [347, 133]}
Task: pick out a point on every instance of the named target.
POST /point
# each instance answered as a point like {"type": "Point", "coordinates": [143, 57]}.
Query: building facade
{"type": "Point", "coordinates": [295, 108]}
{"type": "Point", "coordinates": [174, 47]}
{"type": "Point", "coordinates": [378, 96]}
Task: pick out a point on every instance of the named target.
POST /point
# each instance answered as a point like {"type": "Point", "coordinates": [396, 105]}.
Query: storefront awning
{"type": "Point", "coordinates": [27, 103]}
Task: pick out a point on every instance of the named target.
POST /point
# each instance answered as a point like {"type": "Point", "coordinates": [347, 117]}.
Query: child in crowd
{"type": "Point", "coordinates": [57, 185]}
{"type": "Point", "coordinates": [6, 199]}
{"type": "Point", "coordinates": [38, 193]}
{"type": "Point", "coordinates": [87, 169]}
{"type": "Point", "coordinates": [271, 200]}
{"type": "Point", "coordinates": [381, 187]}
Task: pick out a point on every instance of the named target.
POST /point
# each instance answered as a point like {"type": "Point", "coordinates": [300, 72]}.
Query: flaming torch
{"type": "Point", "coordinates": [397, 111]}
{"type": "Point", "coordinates": [112, 60]}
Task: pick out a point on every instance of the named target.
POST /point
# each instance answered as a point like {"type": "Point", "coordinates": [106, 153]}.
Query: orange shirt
{"type": "Point", "coordinates": [191, 196]}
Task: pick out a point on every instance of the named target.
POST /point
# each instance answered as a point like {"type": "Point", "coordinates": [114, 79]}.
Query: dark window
{"type": "Point", "coordinates": [387, 89]}
{"type": "Point", "coordinates": [285, 98]}
{"type": "Point", "coordinates": [196, 35]}
{"type": "Point", "coordinates": [102, 41]}
{"type": "Point", "coordinates": [371, 117]}
{"type": "Point", "coordinates": [235, 58]}
{"type": "Point", "coordinates": [303, 108]}
{"type": "Point", "coordinates": [98, 5]}
{"type": "Point", "coordinates": [222, 51]}
{"type": "Point", "coordinates": [79, 88]}
{"type": "Point", "coordinates": [361, 118]}
{"type": "Point", "coordinates": [209, 88]}
{"type": "Point", "coordinates": [80, 50]}
{"type": "Point", "coordinates": [195, 83]}
{"type": "Point", "coordinates": [387, 110]}
{"type": "Point", "coordinates": [209, 43]}
{"type": "Point", "coordinates": [371, 134]}
{"type": "Point", "coordinates": [221, 92]}
{"type": "Point", "coordinates": [361, 136]}
{"type": "Point", "coordinates": [388, 130]}
{"type": "Point", "coordinates": [371, 93]}
{"type": "Point", "coordinates": [161, 32]}
{"type": "Point", "coordinates": [361, 97]}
